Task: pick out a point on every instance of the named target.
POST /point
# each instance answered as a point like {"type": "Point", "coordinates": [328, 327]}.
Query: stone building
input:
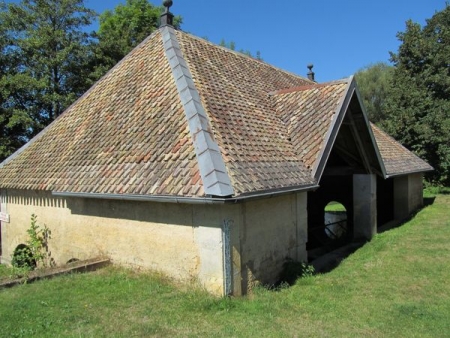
{"type": "Point", "coordinates": [206, 164]}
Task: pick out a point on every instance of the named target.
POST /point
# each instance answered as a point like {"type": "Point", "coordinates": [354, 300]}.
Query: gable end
{"type": "Point", "coordinates": [359, 126]}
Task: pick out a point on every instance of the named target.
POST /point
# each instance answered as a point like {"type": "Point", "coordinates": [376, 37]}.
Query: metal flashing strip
{"type": "Point", "coordinates": [213, 172]}
{"type": "Point", "coordinates": [186, 200]}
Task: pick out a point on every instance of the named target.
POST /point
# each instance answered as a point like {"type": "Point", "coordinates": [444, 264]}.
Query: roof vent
{"type": "Point", "coordinates": [167, 17]}
{"type": "Point", "coordinates": [311, 73]}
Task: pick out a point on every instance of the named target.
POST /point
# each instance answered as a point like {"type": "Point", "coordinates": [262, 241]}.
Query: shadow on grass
{"type": "Point", "coordinates": [428, 201]}
{"type": "Point", "coordinates": [292, 270]}
{"type": "Point", "coordinates": [332, 259]}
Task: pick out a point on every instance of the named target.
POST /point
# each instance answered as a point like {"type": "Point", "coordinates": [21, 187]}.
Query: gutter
{"type": "Point", "coordinates": [186, 200]}
{"type": "Point", "coordinates": [419, 171]}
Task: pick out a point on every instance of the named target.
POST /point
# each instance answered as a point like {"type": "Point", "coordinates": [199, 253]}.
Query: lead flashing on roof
{"type": "Point", "coordinates": [213, 172]}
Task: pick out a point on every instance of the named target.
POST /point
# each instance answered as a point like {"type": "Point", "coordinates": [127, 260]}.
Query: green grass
{"type": "Point", "coordinates": [433, 191]}
{"type": "Point", "coordinates": [395, 286]}
{"type": "Point", "coordinates": [7, 272]}
{"type": "Point", "coordinates": [335, 206]}
{"type": "Point", "coordinates": [4, 271]}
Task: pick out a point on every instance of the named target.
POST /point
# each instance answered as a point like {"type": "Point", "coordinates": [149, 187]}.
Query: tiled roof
{"type": "Point", "coordinates": [234, 90]}
{"type": "Point", "coordinates": [307, 113]}
{"type": "Point", "coordinates": [180, 116]}
{"type": "Point", "coordinates": [397, 159]}
{"type": "Point", "coordinates": [127, 135]}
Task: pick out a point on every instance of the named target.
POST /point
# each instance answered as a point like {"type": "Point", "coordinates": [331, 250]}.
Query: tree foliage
{"type": "Point", "coordinates": [13, 124]}
{"type": "Point", "coordinates": [123, 29]}
{"type": "Point", "coordinates": [418, 106]}
{"type": "Point", "coordinates": [374, 83]}
{"type": "Point", "coordinates": [45, 57]}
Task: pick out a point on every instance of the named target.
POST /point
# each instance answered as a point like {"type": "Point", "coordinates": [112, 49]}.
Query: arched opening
{"type": "Point", "coordinates": [335, 220]}
{"type": "Point", "coordinates": [23, 257]}
{"type": "Point", "coordinates": [72, 261]}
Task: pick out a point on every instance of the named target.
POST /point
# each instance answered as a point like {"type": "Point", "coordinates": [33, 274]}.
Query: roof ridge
{"type": "Point", "coordinates": [311, 86]}
{"type": "Point", "coordinates": [245, 56]}
{"type": "Point", "coordinates": [215, 178]}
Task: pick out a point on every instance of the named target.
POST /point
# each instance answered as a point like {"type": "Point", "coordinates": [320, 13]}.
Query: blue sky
{"type": "Point", "coordinates": [338, 36]}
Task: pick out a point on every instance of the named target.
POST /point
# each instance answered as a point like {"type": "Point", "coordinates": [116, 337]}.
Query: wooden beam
{"type": "Point", "coordinates": [339, 171]}
{"type": "Point", "coordinates": [359, 143]}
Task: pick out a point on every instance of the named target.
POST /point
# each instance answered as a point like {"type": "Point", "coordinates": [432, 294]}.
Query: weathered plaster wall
{"type": "Point", "coordinates": [183, 241]}
{"type": "Point", "coordinates": [273, 230]}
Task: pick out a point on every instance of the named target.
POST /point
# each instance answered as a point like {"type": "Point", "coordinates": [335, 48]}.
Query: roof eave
{"type": "Point", "coordinates": [187, 199]}
{"type": "Point", "coordinates": [418, 171]}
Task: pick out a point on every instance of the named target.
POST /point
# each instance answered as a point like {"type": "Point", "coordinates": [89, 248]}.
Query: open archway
{"type": "Point", "coordinates": [335, 220]}
{"type": "Point", "coordinates": [23, 257]}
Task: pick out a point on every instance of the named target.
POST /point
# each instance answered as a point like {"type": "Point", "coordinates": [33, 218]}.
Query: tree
{"type": "Point", "coordinates": [11, 126]}
{"type": "Point", "coordinates": [418, 107]}
{"type": "Point", "coordinates": [374, 83]}
{"type": "Point", "coordinates": [48, 54]}
{"type": "Point", "coordinates": [123, 29]}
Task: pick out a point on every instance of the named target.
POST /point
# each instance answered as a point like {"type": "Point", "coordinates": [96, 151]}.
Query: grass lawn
{"type": "Point", "coordinates": [4, 271]}
{"type": "Point", "coordinates": [334, 206]}
{"type": "Point", "coordinates": [395, 286]}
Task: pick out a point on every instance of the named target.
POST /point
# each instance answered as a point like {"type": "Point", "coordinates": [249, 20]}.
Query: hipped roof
{"type": "Point", "coordinates": [180, 116]}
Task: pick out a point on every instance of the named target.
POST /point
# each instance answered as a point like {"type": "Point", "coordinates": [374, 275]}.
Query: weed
{"type": "Point", "coordinates": [292, 270]}
{"type": "Point", "coordinates": [35, 252]}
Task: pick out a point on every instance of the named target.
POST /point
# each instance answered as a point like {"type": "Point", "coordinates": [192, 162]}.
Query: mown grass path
{"type": "Point", "coordinates": [398, 285]}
